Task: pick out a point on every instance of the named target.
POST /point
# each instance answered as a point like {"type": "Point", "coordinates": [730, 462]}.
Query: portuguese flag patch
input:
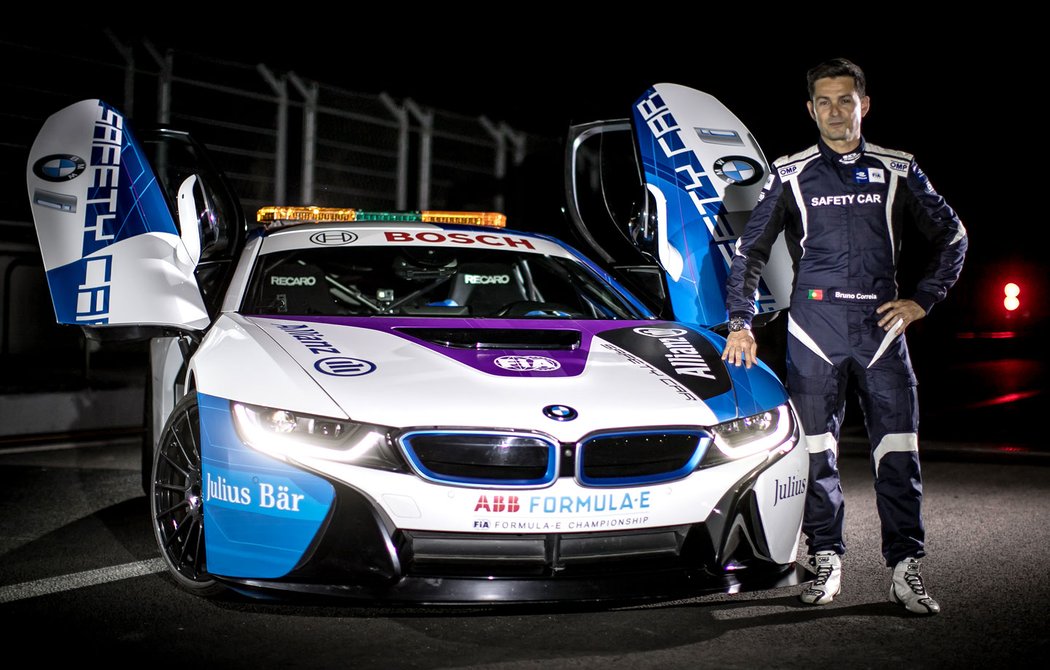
{"type": "Point", "coordinates": [816, 294]}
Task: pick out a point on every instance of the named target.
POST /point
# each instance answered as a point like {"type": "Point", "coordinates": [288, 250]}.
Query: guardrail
{"type": "Point", "coordinates": [280, 139]}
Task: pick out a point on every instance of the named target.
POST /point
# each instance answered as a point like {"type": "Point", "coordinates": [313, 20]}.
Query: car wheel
{"type": "Point", "coordinates": [177, 501]}
{"type": "Point", "coordinates": [147, 431]}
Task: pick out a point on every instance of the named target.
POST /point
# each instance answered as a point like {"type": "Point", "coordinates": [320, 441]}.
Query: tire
{"type": "Point", "coordinates": [147, 431]}
{"type": "Point", "coordinates": [177, 503]}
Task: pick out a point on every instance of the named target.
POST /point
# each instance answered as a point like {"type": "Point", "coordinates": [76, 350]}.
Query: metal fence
{"type": "Point", "coordinates": [279, 138]}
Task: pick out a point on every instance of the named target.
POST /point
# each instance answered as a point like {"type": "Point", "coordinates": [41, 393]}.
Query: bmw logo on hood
{"type": "Point", "coordinates": [59, 167]}
{"type": "Point", "coordinates": [738, 170]}
{"type": "Point", "coordinates": [560, 412]}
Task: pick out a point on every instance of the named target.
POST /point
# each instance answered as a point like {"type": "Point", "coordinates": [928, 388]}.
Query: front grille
{"type": "Point", "coordinates": [639, 457]}
{"type": "Point", "coordinates": [482, 458]}
{"type": "Point", "coordinates": [507, 459]}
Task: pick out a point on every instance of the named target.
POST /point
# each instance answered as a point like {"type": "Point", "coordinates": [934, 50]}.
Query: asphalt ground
{"type": "Point", "coordinates": [80, 577]}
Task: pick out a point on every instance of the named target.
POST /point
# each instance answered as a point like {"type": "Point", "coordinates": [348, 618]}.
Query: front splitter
{"type": "Point", "coordinates": [621, 589]}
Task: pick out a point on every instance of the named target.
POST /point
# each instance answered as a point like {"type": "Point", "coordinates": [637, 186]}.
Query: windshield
{"type": "Point", "coordinates": [438, 281]}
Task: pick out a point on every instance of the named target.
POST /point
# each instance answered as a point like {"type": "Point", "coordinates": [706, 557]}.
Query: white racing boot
{"type": "Point", "coordinates": [908, 590]}
{"type": "Point", "coordinates": [828, 581]}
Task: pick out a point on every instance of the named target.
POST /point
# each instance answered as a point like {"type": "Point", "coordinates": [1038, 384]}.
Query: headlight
{"type": "Point", "coordinates": [290, 436]}
{"type": "Point", "coordinates": [771, 431]}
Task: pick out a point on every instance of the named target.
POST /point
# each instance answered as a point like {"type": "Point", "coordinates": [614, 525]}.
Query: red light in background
{"type": "Point", "coordinates": [1011, 301]}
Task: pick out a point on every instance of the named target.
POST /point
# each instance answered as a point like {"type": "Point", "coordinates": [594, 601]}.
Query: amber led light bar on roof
{"type": "Point", "coordinates": [279, 217]}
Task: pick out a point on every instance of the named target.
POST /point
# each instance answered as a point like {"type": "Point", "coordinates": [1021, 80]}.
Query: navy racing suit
{"type": "Point", "coordinates": [842, 217]}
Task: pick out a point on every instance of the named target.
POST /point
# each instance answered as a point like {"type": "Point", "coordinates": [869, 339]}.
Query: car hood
{"type": "Point", "coordinates": [504, 373]}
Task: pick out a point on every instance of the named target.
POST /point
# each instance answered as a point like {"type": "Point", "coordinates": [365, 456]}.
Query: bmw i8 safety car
{"type": "Point", "coordinates": [431, 406]}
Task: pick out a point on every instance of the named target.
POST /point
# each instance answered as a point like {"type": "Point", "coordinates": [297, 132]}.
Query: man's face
{"type": "Point", "coordinates": [838, 109]}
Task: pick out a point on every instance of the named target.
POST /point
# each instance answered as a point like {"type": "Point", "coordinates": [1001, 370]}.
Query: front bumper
{"type": "Point", "coordinates": [272, 527]}
{"type": "Point", "coordinates": [359, 555]}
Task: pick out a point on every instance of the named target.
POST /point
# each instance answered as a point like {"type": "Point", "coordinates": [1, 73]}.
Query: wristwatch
{"type": "Point", "coordinates": [737, 323]}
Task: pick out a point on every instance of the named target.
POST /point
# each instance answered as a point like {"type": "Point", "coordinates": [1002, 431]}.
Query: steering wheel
{"type": "Point", "coordinates": [533, 308]}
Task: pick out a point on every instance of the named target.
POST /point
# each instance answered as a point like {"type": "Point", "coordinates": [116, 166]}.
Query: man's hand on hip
{"type": "Point", "coordinates": [899, 314]}
{"type": "Point", "coordinates": [740, 346]}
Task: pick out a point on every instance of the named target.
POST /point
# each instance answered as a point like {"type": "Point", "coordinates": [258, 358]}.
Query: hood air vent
{"type": "Point", "coordinates": [498, 338]}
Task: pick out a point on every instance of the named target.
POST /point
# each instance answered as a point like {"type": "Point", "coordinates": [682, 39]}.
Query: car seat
{"type": "Point", "coordinates": [295, 288]}
{"type": "Point", "coordinates": [486, 287]}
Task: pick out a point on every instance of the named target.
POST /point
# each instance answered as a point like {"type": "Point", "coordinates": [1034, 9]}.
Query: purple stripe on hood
{"type": "Point", "coordinates": [505, 362]}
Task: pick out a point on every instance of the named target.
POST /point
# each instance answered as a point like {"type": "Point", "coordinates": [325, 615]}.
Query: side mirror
{"type": "Point", "coordinates": [197, 216]}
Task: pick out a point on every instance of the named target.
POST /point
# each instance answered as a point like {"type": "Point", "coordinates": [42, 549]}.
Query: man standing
{"type": "Point", "coordinates": [843, 205]}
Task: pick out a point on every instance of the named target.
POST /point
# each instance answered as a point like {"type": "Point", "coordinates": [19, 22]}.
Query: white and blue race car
{"type": "Point", "coordinates": [429, 406]}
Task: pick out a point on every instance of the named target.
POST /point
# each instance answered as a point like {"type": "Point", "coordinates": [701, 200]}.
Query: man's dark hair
{"type": "Point", "coordinates": [837, 67]}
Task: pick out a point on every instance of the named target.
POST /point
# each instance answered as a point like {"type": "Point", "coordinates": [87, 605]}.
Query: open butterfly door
{"type": "Point", "coordinates": [672, 188]}
{"type": "Point", "coordinates": [112, 251]}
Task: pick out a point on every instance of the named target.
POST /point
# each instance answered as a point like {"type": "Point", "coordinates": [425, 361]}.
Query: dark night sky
{"type": "Point", "coordinates": [951, 98]}
{"type": "Point", "coordinates": [933, 92]}
{"type": "Point", "coordinates": [929, 90]}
